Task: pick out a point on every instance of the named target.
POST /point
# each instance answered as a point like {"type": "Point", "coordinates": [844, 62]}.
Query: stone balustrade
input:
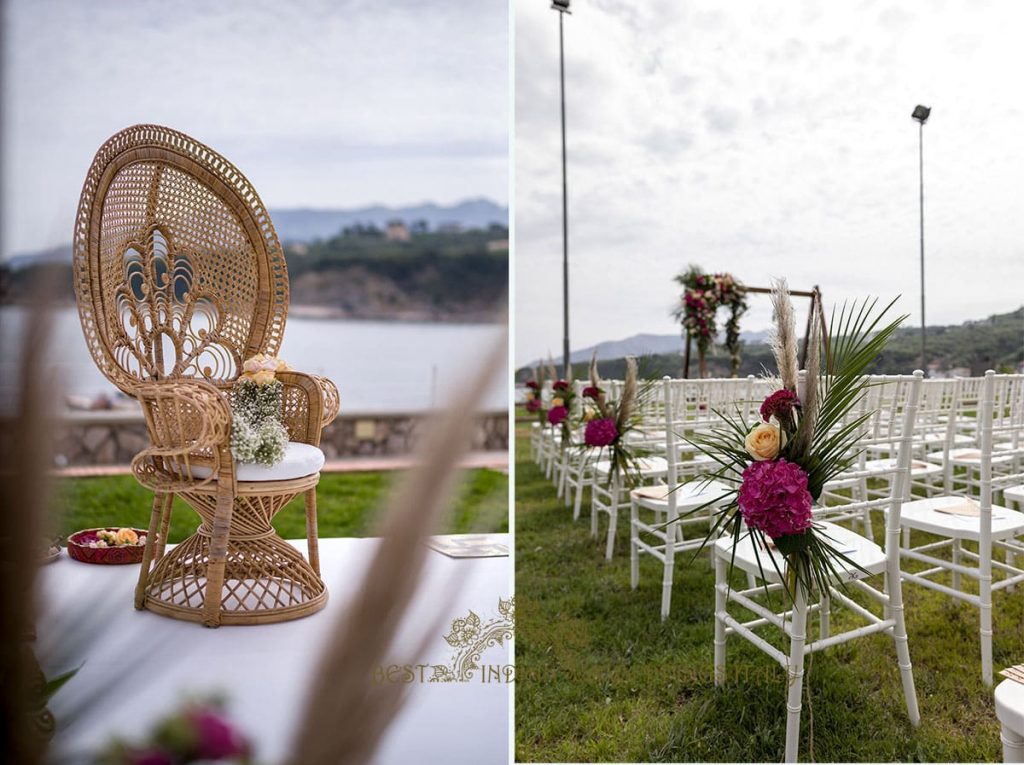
{"type": "Point", "coordinates": [113, 437]}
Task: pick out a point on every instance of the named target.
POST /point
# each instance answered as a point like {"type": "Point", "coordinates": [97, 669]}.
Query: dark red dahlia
{"type": "Point", "coordinates": [532, 384]}
{"type": "Point", "coordinates": [591, 391]}
{"type": "Point", "coordinates": [601, 432]}
{"type": "Point", "coordinates": [557, 414]}
{"type": "Point", "coordinates": [533, 405]}
{"type": "Point", "coordinates": [560, 385]}
{"type": "Point", "coordinates": [780, 404]}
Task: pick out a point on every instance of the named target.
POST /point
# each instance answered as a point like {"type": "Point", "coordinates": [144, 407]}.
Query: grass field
{"type": "Point", "coordinates": [347, 504]}
{"type": "Point", "coordinates": [599, 677]}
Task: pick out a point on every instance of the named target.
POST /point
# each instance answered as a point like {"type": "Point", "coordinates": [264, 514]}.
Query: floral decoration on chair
{"type": "Point", "coordinates": [780, 465]}
{"type": "Point", "coordinates": [257, 434]}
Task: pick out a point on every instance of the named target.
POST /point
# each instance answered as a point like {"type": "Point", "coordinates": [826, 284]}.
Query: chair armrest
{"type": "Point", "coordinates": [189, 424]}
{"type": "Point", "coordinates": [309, 403]}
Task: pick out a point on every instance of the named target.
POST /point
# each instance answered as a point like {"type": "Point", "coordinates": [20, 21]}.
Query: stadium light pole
{"type": "Point", "coordinates": [921, 114]}
{"type": "Point", "coordinates": [562, 6]}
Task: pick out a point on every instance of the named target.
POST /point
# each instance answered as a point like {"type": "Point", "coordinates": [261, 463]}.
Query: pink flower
{"type": "Point", "coordinates": [600, 432]}
{"type": "Point", "coordinates": [560, 385]}
{"type": "Point", "coordinates": [215, 738]}
{"type": "Point", "coordinates": [780, 404]}
{"type": "Point", "coordinates": [150, 757]}
{"type": "Point", "coordinates": [774, 498]}
{"type": "Point", "coordinates": [591, 391]}
{"type": "Point", "coordinates": [533, 405]}
{"type": "Point", "coordinates": [557, 414]}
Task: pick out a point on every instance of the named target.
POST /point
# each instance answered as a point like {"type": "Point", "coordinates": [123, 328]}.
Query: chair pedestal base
{"type": "Point", "coordinates": [265, 579]}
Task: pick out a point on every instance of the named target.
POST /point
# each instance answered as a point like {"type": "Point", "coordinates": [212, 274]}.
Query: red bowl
{"type": "Point", "coordinates": [78, 548]}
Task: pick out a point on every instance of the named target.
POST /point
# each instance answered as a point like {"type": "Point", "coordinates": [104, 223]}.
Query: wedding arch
{"type": "Point", "coordinates": [703, 294]}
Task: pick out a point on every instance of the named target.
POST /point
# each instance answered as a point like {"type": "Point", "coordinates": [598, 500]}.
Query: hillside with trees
{"type": "Point", "coordinates": [996, 342]}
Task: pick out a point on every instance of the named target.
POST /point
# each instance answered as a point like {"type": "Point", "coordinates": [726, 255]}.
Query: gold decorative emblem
{"type": "Point", "coordinates": [470, 636]}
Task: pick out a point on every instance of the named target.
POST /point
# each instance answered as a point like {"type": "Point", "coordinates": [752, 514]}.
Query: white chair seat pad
{"type": "Point", "coordinates": [649, 467]}
{"type": "Point", "coordinates": [1014, 493]}
{"type": "Point", "coordinates": [299, 461]}
{"type": "Point", "coordinates": [860, 549]}
{"type": "Point", "coordinates": [968, 456]}
{"type": "Point", "coordinates": [1010, 705]}
{"type": "Point", "coordinates": [922, 515]}
{"type": "Point", "coordinates": [688, 495]}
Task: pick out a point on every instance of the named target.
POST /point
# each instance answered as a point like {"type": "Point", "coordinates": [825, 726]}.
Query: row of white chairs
{"type": "Point", "coordinates": [925, 447]}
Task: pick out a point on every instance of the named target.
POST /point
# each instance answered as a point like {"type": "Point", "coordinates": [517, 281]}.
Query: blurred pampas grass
{"type": "Point", "coordinates": [348, 711]}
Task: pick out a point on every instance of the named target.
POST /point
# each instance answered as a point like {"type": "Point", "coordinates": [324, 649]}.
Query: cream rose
{"type": "Point", "coordinates": [263, 377]}
{"type": "Point", "coordinates": [765, 442]}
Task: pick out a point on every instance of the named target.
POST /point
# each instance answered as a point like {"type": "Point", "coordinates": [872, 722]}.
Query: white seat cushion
{"type": "Point", "coordinates": [649, 467]}
{"type": "Point", "coordinates": [922, 515]}
{"type": "Point", "coordinates": [1014, 493]}
{"type": "Point", "coordinates": [299, 460]}
{"type": "Point", "coordinates": [688, 495]}
{"type": "Point", "coordinates": [860, 549]}
{"type": "Point", "coordinates": [1010, 706]}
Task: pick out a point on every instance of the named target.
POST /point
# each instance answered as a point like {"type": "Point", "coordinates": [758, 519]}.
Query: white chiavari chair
{"type": "Point", "coordinates": [878, 561]}
{"type": "Point", "coordinates": [972, 531]}
{"type": "Point", "coordinates": [659, 532]}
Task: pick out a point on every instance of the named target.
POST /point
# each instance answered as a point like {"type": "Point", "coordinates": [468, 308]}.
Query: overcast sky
{"type": "Point", "coordinates": [766, 139]}
{"type": "Point", "coordinates": [322, 103]}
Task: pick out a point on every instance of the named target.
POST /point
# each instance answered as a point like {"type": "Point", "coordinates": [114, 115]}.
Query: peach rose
{"type": "Point", "coordinates": [557, 401]}
{"type": "Point", "coordinates": [126, 537]}
{"type": "Point", "coordinates": [765, 441]}
{"type": "Point", "coordinates": [263, 377]}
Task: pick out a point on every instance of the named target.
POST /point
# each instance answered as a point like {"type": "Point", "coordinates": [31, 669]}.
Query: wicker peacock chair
{"type": "Point", "coordinates": [179, 278]}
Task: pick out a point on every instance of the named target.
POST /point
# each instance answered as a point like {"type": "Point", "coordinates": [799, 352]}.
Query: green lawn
{"type": "Point", "coordinates": [599, 677]}
{"type": "Point", "coordinates": [346, 503]}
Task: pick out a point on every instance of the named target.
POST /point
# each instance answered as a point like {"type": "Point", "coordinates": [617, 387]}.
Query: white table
{"type": "Point", "coordinates": [1010, 711]}
{"type": "Point", "coordinates": [264, 669]}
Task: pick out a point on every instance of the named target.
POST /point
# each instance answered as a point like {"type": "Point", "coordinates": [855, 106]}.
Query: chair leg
{"type": "Point", "coordinates": [720, 607]}
{"type": "Point", "coordinates": [312, 536]}
{"type": "Point", "coordinates": [165, 524]}
{"type": "Point", "coordinates": [613, 523]}
{"type": "Point", "coordinates": [985, 592]}
{"type": "Point", "coordinates": [899, 636]}
{"type": "Point", "coordinates": [594, 501]}
{"type": "Point", "coordinates": [217, 562]}
{"type": "Point", "coordinates": [578, 502]}
{"type": "Point", "coordinates": [1013, 745]}
{"type": "Point", "coordinates": [868, 533]}
{"type": "Point", "coordinates": [634, 549]}
{"type": "Point", "coordinates": [825, 615]}
{"type": "Point", "coordinates": [670, 562]}
{"type": "Point", "coordinates": [956, 561]}
{"type": "Point", "coordinates": [795, 674]}
{"type": "Point", "coordinates": [148, 550]}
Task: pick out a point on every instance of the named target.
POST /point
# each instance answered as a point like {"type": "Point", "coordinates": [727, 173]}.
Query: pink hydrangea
{"type": "Point", "coordinates": [556, 414]}
{"type": "Point", "coordinates": [533, 405]}
{"type": "Point", "coordinates": [600, 432]}
{"type": "Point", "coordinates": [774, 498]}
{"type": "Point", "coordinates": [780, 404]}
{"type": "Point", "coordinates": [215, 738]}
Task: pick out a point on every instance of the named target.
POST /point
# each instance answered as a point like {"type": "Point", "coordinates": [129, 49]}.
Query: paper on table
{"type": "Point", "coordinates": [964, 507]}
{"type": "Point", "coordinates": [652, 492]}
{"type": "Point", "coordinates": [468, 546]}
{"type": "Point", "coordinates": [1014, 673]}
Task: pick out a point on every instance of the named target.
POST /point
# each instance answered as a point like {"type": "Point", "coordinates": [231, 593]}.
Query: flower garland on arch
{"type": "Point", "coordinates": [703, 295]}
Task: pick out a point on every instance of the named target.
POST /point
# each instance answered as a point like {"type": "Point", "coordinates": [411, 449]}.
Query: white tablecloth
{"type": "Point", "coordinates": [151, 663]}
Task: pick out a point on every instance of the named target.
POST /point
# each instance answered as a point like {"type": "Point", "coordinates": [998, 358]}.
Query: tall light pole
{"type": "Point", "coordinates": [562, 6]}
{"type": "Point", "coordinates": [921, 114]}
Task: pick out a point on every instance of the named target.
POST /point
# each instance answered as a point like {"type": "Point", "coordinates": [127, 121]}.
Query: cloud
{"type": "Point", "coordinates": [320, 103]}
{"type": "Point", "coordinates": [789, 152]}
